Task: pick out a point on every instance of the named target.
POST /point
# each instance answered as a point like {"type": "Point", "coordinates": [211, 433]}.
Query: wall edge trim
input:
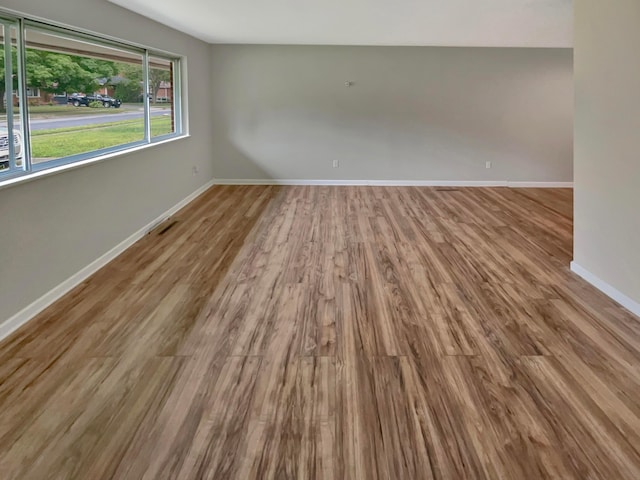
{"type": "Point", "coordinates": [392, 183]}
{"type": "Point", "coordinates": [607, 289]}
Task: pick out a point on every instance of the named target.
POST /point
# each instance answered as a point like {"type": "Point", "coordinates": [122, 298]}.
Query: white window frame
{"type": "Point", "coordinates": [30, 94]}
{"type": "Point", "coordinates": [26, 170]}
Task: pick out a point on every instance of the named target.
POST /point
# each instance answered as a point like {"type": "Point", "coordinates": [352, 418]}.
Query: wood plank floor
{"type": "Point", "coordinates": [332, 333]}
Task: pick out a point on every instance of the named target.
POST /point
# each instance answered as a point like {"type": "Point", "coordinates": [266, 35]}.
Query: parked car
{"type": "Point", "coordinates": [4, 148]}
{"type": "Point", "coordinates": [78, 100]}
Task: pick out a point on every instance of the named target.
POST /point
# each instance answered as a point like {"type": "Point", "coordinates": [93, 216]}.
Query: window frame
{"type": "Point", "coordinates": [177, 97]}
{"type": "Point", "coordinates": [7, 24]}
{"type": "Point", "coordinates": [27, 170]}
{"type": "Point", "coordinates": [30, 94]}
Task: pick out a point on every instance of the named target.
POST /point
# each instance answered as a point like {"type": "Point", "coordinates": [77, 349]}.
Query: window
{"type": "Point", "coordinates": [82, 96]}
{"type": "Point", "coordinates": [11, 135]}
{"type": "Point", "coordinates": [161, 82]}
{"type": "Point", "coordinates": [92, 121]}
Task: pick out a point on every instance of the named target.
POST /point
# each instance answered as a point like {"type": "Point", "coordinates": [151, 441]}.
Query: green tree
{"type": "Point", "coordinates": [129, 89]}
{"type": "Point", "coordinates": [57, 72]}
{"type": "Point", "coordinates": [156, 77]}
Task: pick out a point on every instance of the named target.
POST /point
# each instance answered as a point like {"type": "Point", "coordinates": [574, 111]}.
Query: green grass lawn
{"type": "Point", "coordinates": [62, 142]}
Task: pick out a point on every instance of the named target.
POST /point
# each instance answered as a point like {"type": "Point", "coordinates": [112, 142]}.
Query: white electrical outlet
{"type": "Point", "coordinates": [336, 163]}
{"type": "Point", "coordinates": [195, 170]}
{"type": "Point", "coordinates": [487, 165]}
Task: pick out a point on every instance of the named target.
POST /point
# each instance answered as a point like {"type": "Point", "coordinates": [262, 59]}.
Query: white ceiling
{"type": "Point", "coordinates": [495, 23]}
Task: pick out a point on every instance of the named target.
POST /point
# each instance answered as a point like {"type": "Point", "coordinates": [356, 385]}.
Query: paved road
{"type": "Point", "coordinates": [77, 121]}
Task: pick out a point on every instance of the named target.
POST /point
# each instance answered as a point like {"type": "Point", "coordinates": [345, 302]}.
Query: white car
{"type": "Point", "coordinates": [4, 148]}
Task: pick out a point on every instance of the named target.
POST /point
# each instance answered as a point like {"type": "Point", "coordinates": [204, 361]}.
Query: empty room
{"type": "Point", "coordinates": [319, 240]}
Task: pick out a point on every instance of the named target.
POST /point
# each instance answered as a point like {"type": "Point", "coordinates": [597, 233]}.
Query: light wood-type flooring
{"type": "Point", "coordinates": [332, 333]}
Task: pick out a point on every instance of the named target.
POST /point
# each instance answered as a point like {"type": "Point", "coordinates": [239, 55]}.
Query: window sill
{"type": "Point", "coordinates": [10, 182]}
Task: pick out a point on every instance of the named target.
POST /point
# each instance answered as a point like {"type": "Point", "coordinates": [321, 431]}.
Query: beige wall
{"type": "Point", "coordinates": [413, 113]}
{"type": "Point", "coordinates": [607, 142]}
{"type": "Point", "coordinates": [52, 227]}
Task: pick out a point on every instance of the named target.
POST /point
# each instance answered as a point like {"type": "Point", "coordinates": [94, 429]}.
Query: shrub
{"type": "Point", "coordinates": [95, 104]}
{"type": "Point", "coordinates": [128, 92]}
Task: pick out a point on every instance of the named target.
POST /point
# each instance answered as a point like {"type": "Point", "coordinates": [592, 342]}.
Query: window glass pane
{"type": "Point", "coordinates": [11, 157]}
{"type": "Point", "coordinates": [89, 97]}
{"type": "Point", "coordinates": [161, 98]}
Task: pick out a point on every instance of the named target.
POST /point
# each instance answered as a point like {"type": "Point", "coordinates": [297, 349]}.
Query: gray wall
{"type": "Point", "coordinates": [607, 142]}
{"type": "Point", "coordinates": [52, 227]}
{"type": "Point", "coordinates": [413, 113]}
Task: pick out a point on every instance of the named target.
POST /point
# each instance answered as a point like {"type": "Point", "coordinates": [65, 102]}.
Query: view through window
{"type": "Point", "coordinates": [91, 96]}
{"type": "Point", "coordinates": [83, 97]}
{"type": "Point", "coordinates": [161, 81]}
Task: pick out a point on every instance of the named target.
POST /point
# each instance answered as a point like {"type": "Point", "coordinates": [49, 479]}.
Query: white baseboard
{"type": "Point", "coordinates": [540, 184]}
{"type": "Point", "coordinates": [391, 183]}
{"type": "Point", "coordinates": [26, 314]}
{"type": "Point", "coordinates": [621, 298]}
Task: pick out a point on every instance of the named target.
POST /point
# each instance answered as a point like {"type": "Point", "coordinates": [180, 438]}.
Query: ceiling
{"type": "Point", "coordinates": [492, 23]}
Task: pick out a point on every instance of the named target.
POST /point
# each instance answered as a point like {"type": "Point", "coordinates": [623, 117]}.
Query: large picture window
{"type": "Point", "coordinates": [82, 97]}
